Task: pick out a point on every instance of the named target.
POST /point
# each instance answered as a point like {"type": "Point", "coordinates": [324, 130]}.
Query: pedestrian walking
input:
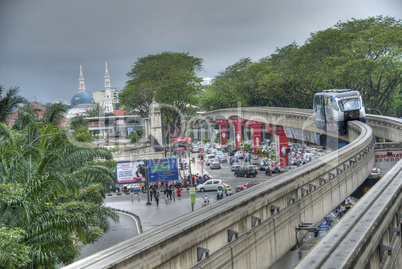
{"type": "Point", "coordinates": [165, 194]}
{"type": "Point", "coordinates": [156, 195]}
{"type": "Point", "coordinates": [170, 194]}
{"type": "Point", "coordinates": [151, 193]}
{"type": "Point", "coordinates": [179, 193]}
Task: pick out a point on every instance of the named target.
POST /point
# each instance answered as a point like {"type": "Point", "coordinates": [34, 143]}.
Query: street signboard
{"type": "Point", "coordinates": [192, 195]}
{"type": "Point", "coordinates": [163, 170]}
{"type": "Point", "coordinates": [129, 172]}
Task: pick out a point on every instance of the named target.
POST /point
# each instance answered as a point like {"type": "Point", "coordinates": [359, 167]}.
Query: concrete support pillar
{"type": "Point", "coordinates": [211, 131]}
{"type": "Point", "coordinates": [203, 131]}
{"type": "Point", "coordinates": [196, 130]}
{"type": "Point", "coordinates": [238, 136]}
{"type": "Point", "coordinates": [281, 141]}
{"type": "Point", "coordinates": [256, 132]}
{"type": "Point", "coordinates": [222, 130]}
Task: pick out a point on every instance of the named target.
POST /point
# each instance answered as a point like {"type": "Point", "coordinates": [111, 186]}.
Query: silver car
{"type": "Point", "coordinates": [221, 157]}
{"type": "Point", "coordinates": [210, 185]}
{"type": "Point", "coordinates": [235, 166]}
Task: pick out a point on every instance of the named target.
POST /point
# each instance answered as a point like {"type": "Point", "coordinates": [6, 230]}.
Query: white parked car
{"type": "Point", "coordinates": [210, 185]}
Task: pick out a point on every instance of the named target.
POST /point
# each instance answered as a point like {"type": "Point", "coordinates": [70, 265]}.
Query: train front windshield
{"type": "Point", "coordinates": [349, 104]}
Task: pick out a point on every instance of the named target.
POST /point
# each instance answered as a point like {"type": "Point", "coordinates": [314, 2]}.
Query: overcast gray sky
{"type": "Point", "coordinates": [43, 42]}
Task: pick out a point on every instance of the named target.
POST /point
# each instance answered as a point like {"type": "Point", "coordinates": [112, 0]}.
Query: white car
{"type": "Point", "coordinates": [210, 185]}
{"type": "Point", "coordinates": [235, 166]}
{"type": "Point", "coordinates": [221, 157]}
{"type": "Point", "coordinates": [209, 158]}
{"type": "Point", "coordinates": [239, 154]}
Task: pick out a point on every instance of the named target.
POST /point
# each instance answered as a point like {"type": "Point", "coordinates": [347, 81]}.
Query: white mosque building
{"type": "Point", "coordinates": [83, 101]}
{"type": "Point", "coordinates": [112, 123]}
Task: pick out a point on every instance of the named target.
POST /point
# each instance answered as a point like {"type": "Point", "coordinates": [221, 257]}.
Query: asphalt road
{"type": "Point", "coordinates": [229, 178]}
{"type": "Point", "coordinates": [125, 229]}
{"type": "Point", "coordinates": [152, 216]}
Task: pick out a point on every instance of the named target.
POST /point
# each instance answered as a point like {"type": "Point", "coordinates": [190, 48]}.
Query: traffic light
{"type": "Point", "coordinates": [202, 156]}
{"type": "Point", "coordinates": [185, 166]}
{"type": "Point", "coordinates": [181, 166]}
{"type": "Point", "coordinates": [287, 149]}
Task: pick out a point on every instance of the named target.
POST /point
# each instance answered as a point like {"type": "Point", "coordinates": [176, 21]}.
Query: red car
{"type": "Point", "coordinates": [248, 184]}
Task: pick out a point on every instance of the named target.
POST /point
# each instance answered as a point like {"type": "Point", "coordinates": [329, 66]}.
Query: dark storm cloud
{"type": "Point", "coordinates": [43, 42]}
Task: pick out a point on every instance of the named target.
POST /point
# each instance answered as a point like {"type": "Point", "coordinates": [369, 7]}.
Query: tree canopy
{"type": "Point", "coordinates": [51, 194]}
{"type": "Point", "coordinates": [169, 78]}
{"type": "Point", "coordinates": [363, 55]}
{"type": "Point", "coordinates": [9, 102]}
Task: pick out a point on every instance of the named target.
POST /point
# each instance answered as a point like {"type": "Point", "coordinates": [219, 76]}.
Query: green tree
{"type": "Point", "coordinates": [14, 254]}
{"type": "Point", "coordinates": [80, 125]}
{"type": "Point", "coordinates": [369, 59]}
{"type": "Point", "coordinates": [226, 89]}
{"type": "Point", "coordinates": [29, 116]}
{"type": "Point", "coordinates": [169, 78]}
{"type": "Point", "coordinates": [136, 136]}
{"type": "Point", "coordinates": [363, 55]}
{"type": "Point", "coordinates": [9, 102]}
{"type": "Point", "coordinates": [95, 111]}
{"type": "Point", "coordinates": [246, 147]}
{"type": "Point", "coordinates": [55, 114]}
{"type": "Point", "coordinates": [53, 191]}
{"type": "Point", "coordinates": [269, 154]}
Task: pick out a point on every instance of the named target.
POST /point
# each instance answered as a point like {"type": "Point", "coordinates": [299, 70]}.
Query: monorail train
{"type": "Point", "coordinates": [333, 108]}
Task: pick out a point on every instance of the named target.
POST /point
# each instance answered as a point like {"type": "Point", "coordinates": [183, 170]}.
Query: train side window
{"type": "Point", "coordinates": [335, 105]}
{"type": "Point", "coordinates": [341, 106]}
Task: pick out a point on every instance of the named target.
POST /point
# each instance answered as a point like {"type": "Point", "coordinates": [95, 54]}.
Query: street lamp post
{"type": "Point", "coordinates": [189, 165]}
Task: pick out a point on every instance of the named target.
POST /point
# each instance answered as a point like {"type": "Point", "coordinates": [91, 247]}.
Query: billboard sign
{"type": "Point", "coordinates": [163, 170]}
{"type": "Point", "coordinates": [130, 172]}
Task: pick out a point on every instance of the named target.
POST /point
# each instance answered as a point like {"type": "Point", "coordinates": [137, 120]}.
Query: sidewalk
{"type": "Point", "coordinates": [151, 216]}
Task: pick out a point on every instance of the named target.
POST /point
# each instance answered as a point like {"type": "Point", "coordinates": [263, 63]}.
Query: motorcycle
{"type": "Point", "coordinates": [219, 195]}
{"type": "Point", "coordinates": [268, 172]}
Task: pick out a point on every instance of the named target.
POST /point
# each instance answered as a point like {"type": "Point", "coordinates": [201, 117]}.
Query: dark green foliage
{"type": "Point", "coordinates": [169, 78]}
{"type": "Point", "coordinates": [9, 102]}
{"type": "Point", "coordinates": [52, 191]}
{"type": "Point", "coordinates": [363, 55]}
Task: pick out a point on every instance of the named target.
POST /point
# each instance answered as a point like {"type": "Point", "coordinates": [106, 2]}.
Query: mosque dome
{"type": "Point", "coordinates": [82, 100]}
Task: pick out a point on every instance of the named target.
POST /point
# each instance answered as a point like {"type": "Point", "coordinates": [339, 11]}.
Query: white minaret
{"type": "Point", "coordinates": [108, 92]}
{"type": "Point", "coordinates": [81, 80]}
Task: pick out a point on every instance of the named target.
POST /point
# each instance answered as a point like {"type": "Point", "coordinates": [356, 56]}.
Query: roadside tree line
{"type": "Point", "coordinates": [363, 55]}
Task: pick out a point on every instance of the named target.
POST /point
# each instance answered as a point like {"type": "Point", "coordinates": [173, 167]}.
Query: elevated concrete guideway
{"type": "Point", "coordinates": [255, 228]}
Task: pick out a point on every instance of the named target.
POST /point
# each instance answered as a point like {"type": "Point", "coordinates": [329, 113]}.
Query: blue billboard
{"type": "Point", "coordinates": [163, 170]}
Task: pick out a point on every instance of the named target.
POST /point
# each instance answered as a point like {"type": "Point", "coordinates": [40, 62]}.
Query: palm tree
{"type": "Point", "coordinates": [55, 114]}
{"type": "Point", "coordinates": [10, 102]}
{"type": "Point", "coordinates": [53, 191]}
